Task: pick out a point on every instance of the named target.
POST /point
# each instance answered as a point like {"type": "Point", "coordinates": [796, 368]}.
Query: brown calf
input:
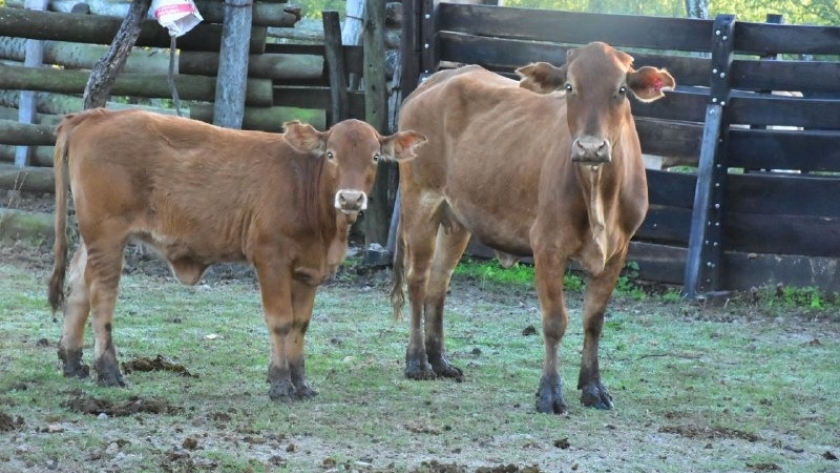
{"type": "Point", "coordinates": [200, 195]}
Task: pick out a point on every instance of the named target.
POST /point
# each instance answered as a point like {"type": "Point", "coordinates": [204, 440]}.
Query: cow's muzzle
{"type": "Point", "coordinates": [591, 150]}
{"type": "Point", "coordinates": [350, 201]}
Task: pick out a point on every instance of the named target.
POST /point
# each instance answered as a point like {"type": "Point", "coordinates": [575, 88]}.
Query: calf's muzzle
{"type": "Point", "coordinates": [350, 201]}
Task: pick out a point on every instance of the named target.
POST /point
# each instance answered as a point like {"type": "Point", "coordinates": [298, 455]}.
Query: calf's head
{"type": "Point", "coordinates": [352, 149]}
{"type": "Point", "coordinates": [596, 80]}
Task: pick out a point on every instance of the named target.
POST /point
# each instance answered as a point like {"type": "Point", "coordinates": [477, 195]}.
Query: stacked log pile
{"type": "Point", "coordinates": [73, 42]}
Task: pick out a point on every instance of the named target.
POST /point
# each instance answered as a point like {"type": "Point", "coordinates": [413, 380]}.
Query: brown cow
{"type": "Point", "coordinates": [200, 195]}
{"type": "Point", "coordinates": [550, 167]}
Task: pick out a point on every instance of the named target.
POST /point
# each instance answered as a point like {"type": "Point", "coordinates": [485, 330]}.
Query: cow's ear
{"type": "Point", "coordinates": [304, 138]}
{"type": "Point", "coordinates": [401, 146]}
{"type": "Point", "coordinates": [648, 83]}
{"type": "Point", "coordinates": [541, 77]}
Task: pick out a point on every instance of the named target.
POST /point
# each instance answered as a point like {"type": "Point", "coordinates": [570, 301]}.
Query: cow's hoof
{"type": "Point", "coordinates": [72, 365]}
{"type": "Point", "coordinates": [282, 390]}
{"type": "Point", "coordinates": [550, 396]}
{"type": "Point", "coordinates": [595, 395]}
{"type": "Point", "coordinates": [446, 370]}
{"type": "Point", "coordinates": [303, 391]}
{"type": "Point", "coordinates": [419, 370]}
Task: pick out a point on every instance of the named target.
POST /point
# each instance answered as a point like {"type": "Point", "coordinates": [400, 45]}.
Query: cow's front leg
{"type": "Point", "coordinates": [550, 268]}
{"type": "Point", "coordinates": [598, 292]}
{"type": "Point", "coordinates": [303, 300]}
{"type": "Point", "coordinates": [285, 372]}
{"type": "Point", "coordinates": [76, 310]}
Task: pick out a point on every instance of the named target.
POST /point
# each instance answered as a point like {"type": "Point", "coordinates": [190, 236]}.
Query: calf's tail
{"type": "Point", "coordinates": [56, 286]}
{"type": "Point", "coordinates": [397, 294]}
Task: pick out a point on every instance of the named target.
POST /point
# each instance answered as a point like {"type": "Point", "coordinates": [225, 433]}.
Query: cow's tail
{"type": "Point", "coordinates": [56, 287]}
{"type": "Point", "coordinates": [397, 293]}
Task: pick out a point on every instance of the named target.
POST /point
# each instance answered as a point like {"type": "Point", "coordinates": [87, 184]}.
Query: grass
{"type": "Point", "coordinates": [740, 388]}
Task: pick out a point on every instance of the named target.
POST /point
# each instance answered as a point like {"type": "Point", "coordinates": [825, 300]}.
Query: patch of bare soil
{"type": "Point", "coordinates": [159, 363]}
{"type": "Point", "coordinates": [9, 423]}
{"type": "Point", "coordinates": [708, 433]}
{"type": "Point", "coordinates": [80, 402]}
{"type": "Point", "coordinates": [437, 467]}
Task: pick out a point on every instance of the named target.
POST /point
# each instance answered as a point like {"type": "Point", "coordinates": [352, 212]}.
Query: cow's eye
{"type": "Point", "coordinates": [330, 155]}
{"type": "Point", "coordinates": [622, 90]}
{"type": "Point", "coordinates": [568, 87]}
{"type": "Point", "coordinates": [376, 158]}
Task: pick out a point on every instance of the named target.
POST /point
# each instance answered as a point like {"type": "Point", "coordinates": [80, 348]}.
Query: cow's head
{"type": "Point", "coordinates": [351, 149]}
{"type": "Point", "coordinates": [596, 80]}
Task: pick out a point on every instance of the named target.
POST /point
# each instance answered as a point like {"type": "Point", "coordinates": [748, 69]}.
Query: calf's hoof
{"type": "Point", "coordinates": [108, 373]}
{"type": "Point", "coordinates": [72, 365]}
{"type": "Point", "coordinates": [419, 370]}
{"type": "Point", "coordinates": [595, 395]}
{"type": "Point", "coordinates": [550, 396]}
{"type": "Point", "coordinates": [284, 391]}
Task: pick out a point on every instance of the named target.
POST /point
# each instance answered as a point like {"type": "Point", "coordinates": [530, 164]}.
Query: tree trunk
{"type": "Point", "coordinates": [105, 72]}
{"type": "Point", "coordinates": [229, 107]}
{"type": "Point", "coordinates": [697, 8]}
{"type": "Point", "coordinates": [26, 179]}
{"type": "Point", "coordinates": [259, 92]}
{"type": "Point", "coordinates": [42, 156]}
{"type": "Point", "coordinates": [16, 133]}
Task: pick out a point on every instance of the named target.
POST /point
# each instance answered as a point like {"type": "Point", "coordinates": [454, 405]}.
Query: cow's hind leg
{"type": "Point", "coordinates": [419, 230]}
{"type": "Point", "coordinates": [598, 292]}
{"type": "Point", "coordinates": [450, 248]}
{"type": "Point", "coordinates": [303, 300]}
{"type": "Point", "coordinates": [102, 276]}
{"type": "Point", "coordinates": [76, 310]}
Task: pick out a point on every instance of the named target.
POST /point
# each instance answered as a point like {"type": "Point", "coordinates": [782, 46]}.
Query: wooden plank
{"type": "Point", "coordinates": [674, 189]}
{"type": "Point", "coordinates": [782, 193]}
{"type": "Point", "coordinates": [803, 76]}
{"type": "Point", "coordinates": [411, 46]}
{"type": "Point", "coordinates": [684, 104]}
{"type": "Point", "coordinates": [782, 234]}
{"type": "Point", "coordinates": [751, 270]}
{"type": "Point", "coordinates": [666, 225]}
{"type": "Point", "coordinates": [660, 263]}
{"type": "Point", "coordinates": [15, 133]}
{"type": "Point", "coordinates": [765, 38]}
{"type": "Point", "coordinates": [703, 266]}
{"type": "Point", "coordinates": [576, 28]}
{"type": "Point", "coordinates": [429, 50]}
{"type": "Point", "coordinates": [768, 110]}
{"type": "Point", "coordinates": [804, 150]}
{"type": "Point", "coordinates": [670, 138]}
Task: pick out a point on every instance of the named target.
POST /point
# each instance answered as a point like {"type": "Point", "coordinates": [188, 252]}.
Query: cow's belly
{"type": "Point", "coordinates": [506, 229]}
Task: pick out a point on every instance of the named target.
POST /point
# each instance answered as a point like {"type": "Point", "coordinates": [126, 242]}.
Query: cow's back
{"type": "Point", "coordinates": [486, 134]}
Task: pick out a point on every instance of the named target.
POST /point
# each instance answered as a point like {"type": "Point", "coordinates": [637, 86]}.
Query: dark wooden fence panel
{"type": "Point", "coordinates": [804, 76]}
{"type": "Point", "coordinates": [764, 39]}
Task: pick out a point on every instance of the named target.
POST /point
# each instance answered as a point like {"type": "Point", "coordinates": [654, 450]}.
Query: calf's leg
{"type": "Point", "coordinates": [450, 246]}
{"type": "Point", "coordinates": [76, 310]}
{"type": "Point", "coordinates": [286, 367]}
{"type": "Point", "coordinates": [102, 277]}
{"type": "Point", "coordinates": [303, 300]}
{"type": "Point", "coordinates": [598, 292]}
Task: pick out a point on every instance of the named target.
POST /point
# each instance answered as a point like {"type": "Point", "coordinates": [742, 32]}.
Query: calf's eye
{"type": "Point", "coordinates": [376, 158]}
{"type": "Point", "coordinates": [568, 87]}
{"type": "Point", "coordinates": [330, 155]}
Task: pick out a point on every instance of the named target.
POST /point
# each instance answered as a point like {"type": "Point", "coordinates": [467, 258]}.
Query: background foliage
{"type": "Point", "coordinates": [818, 12]}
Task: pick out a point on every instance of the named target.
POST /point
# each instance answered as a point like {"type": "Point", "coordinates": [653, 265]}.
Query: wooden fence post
{"type": "Point", "coordinates": [28, 99]}
{"type": "Point", "coordinates": [376, 221]}
{"type": "Point", "coordinates": [705, 246]}
{"type": "Point", "coordinates": [229, 107]}
{"type": "Point", "coordinates": [335, 65]}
